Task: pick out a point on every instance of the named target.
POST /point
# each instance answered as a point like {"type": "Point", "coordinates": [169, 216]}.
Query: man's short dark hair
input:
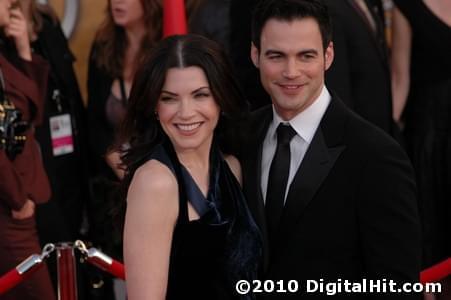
{"type": "Point", "coordinates": [291, 10]}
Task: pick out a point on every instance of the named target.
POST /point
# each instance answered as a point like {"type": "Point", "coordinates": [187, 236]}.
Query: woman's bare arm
{"type": "Point", "coordinates": [152, 209]}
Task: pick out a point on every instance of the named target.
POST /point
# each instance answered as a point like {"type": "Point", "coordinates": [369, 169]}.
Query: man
{"type": "Point", "coordinates": [333, 195]}
{"type": "Point", "coordinates": [360, 73]}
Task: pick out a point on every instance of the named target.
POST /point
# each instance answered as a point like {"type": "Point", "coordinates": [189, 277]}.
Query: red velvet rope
{"type": "Point", "coordinates": [118, 270]}
{"type": "Point", "coordinates": [13, 278]}
{"type": "Point", "coordinates": [115, 268]}
{"type": "Point", "coordinates": [436, 272]}
{"type": "Point", "coordinates": [9, 280]}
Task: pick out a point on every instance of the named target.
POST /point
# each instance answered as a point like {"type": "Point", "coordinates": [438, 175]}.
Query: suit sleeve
{"type": "Point", "coordinates": [338, 77]}
{"type": "Point", "coordinates": [388, 214]}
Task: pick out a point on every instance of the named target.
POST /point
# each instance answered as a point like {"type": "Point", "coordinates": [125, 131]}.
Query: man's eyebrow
{"type": "Point", "coordinates": [300, 53]}
{"type": "Point", "coordinates": [308, 51]}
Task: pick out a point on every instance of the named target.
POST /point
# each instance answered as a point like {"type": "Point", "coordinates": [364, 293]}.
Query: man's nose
{"type": "Point", "coordinates": [292, 69]}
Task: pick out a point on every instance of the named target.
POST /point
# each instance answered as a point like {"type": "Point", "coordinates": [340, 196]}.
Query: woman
{"type": "Point", "coordinates": [188, 233]}
{"type": "Point", "coordinates": [23, 182]}
{"type": "Point", "coordinates": [130, 28]}
{"type": "Point", "coordinates": [422, 100]}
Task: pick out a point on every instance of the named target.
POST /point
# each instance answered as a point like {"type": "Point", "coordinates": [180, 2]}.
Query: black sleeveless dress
{"type": "Point", "coordinates": [428, 125]}
{"type": "Point", "coordinates": [210, 254]}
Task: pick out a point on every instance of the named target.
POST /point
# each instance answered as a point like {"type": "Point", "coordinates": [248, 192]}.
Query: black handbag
{"type": "Point", "coordinates": [12, 128]}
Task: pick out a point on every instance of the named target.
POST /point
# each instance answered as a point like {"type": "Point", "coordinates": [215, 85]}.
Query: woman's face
{"type": "Point", "coordinates": [4, 12]}
{"type": "Point", "coordinates": [187, 111]}
{"type": "Point", "coordinates": [127, 13]}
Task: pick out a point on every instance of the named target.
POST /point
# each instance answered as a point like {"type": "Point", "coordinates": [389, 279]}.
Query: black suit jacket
{"type": "Point", "coordinates": [360, 72]}
{"type": "Point", "coordinates": [351, 210]}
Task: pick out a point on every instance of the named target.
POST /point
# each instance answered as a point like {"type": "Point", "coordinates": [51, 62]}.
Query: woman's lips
{"type": "Point", "coordinates": [188, 128]}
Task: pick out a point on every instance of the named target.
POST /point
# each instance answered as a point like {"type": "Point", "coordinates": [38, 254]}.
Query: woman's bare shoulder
{"type": "Point", "coordinates": [153, 180]}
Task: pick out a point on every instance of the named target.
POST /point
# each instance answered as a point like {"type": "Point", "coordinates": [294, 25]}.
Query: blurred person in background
{"type": "Point", "coordinates": [129, 30]}
{"type": "Point", "coordinates": [210, 18]}
{"type": "Point", "coordinates": [240, 47]}
{"type": "Point", "coordinates": [62, 136]}
{"type": "Point", "coordinates": [23, 182]}
{"type": "Point", "coordinates": [421, 80]}
{"type": "Point", "coordinates": [360, 73]}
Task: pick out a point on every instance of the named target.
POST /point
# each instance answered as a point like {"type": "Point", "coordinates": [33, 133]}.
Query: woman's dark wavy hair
{"type": "Point", "coordinates": [111, 42]}
{"type": "Point", "coordinates": [141, 131]}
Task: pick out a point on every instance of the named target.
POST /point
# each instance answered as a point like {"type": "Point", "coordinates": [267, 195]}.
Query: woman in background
{"type": "Point", "coordinates": [129, 30]}
{"type": "Point", "coordinates": [421, 81]}
{"type": "Point", "coordinates": [23, 182]}
{"type": "Point", "coordinates": [188, 232]}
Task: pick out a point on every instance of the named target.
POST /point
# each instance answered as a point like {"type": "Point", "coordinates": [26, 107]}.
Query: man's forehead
{"type": "Point", "coordinates": [288, 22]}
{"type": "Point", "coordinates": [294, 35]}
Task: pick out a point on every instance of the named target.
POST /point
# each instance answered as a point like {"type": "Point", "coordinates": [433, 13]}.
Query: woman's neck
{"type": "Point", "coordinates": [134, 35]}
{"type": "Point", "coordinates": [196, 159]}
{"type": "Point", "coordinates": [197, 162]}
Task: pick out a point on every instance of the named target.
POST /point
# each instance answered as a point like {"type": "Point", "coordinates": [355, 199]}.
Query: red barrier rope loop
{"type": "Point", "coordinates": [101, 260]}
{"type": "Point", "coordinates": [24, 269]}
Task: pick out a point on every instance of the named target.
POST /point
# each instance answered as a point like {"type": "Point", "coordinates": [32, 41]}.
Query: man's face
{"type": "Point", "coordinates": [292, 63]}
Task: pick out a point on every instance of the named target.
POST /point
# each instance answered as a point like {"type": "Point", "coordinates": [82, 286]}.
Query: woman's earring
{"type": "Point", "coordinates": [156, 115]}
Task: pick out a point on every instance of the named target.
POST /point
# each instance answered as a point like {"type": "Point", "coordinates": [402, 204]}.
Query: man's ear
{"type": "Point", "coordinates": [329, 56]}
{"type": "Point", "coordinates": [254, 55]}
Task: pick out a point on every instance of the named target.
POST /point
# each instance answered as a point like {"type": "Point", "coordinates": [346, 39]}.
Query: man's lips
{"type": "Point", "coordinates": [290, 88]}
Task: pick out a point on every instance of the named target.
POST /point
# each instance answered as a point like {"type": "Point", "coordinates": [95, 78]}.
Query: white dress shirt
{"type": "Point", "coordinates": [305, 125]}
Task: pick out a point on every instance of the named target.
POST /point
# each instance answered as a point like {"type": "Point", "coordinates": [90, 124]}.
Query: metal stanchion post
{"type": "Point", "coordinates": [67, 272]}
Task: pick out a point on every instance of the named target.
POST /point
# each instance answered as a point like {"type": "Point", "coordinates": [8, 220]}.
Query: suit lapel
{"type": "Point", "coordinates": [319, 159]}
{"type": "Point", "coordinates": [316, 165]}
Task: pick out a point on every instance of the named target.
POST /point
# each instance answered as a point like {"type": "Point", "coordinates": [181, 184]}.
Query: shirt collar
{"type": "Point", "coordinates": [305, 123]}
